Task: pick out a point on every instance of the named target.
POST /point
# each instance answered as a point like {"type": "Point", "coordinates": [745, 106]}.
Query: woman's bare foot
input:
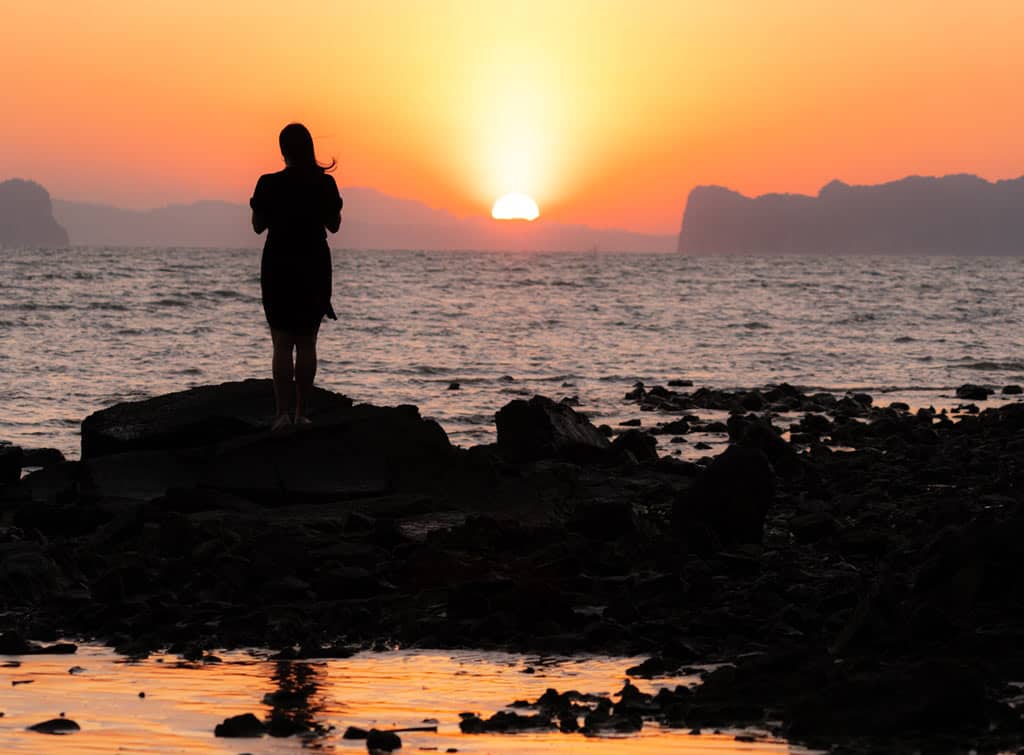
{"type": "Point", "coordinates": [301, 421]}
{"type": "Point", "coordinates": [282, 422]}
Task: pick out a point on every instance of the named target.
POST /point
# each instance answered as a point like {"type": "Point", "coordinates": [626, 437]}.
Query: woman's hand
{"type": "Point", "coordinates": [333, 223]}
{"type": "Point", "coordinates": [258, 223]}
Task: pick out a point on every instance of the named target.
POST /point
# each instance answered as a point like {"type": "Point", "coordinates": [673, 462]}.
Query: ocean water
{"type": "Point", "coordinates": [83, 328]}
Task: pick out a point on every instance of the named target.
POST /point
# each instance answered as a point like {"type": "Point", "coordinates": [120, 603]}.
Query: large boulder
{"type": "Point", "coordinates": [195, 417]}
{"type": "Point", "coordinates": [542, 429]}
{"type": "Point", "coordinates": [732, 496]}
{"type": "Point", "coordinates": [215, 437]}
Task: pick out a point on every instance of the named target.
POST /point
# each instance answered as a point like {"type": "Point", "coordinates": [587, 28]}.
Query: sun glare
{"type": "Point", "coordinates": [515, 207]}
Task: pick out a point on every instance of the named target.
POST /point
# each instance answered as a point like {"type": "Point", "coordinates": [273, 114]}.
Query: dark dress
{"type": "Point", "coordinates": [295, 271]}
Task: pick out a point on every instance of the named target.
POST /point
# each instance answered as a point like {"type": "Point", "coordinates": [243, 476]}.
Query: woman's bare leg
{"type": "Point", "coordinates": [305, 371]}
{"type": "Point", "coordinates": [283, 370]}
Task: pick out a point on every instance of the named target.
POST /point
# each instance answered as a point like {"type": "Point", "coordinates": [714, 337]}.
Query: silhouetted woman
{"type": "Point", "coordinates": [297, 206]}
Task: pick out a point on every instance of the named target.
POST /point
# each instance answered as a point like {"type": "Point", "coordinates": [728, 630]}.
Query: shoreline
{"type": "Point", "coordinates": [373, 527]}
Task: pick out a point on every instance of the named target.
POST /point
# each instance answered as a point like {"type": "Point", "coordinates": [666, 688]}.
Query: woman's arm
{"type": "Point", "coordinates": [258, 203]}
{"type": "Point", "coordinates": [334, 204]}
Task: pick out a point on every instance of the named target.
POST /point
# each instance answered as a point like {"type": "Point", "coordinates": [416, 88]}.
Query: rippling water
{"type": "Point", "coordinates": [83, 328]}
{"type": "Point", "coordinates": [184, 702]}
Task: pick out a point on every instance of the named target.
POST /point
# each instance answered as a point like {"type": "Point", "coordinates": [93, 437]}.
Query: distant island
{"type": "Point", "coordinates": [371, 220]}
{"type": "Point", "coordinates": [26, 216]}
{"type": "Point", "coordinates": [958, 214]}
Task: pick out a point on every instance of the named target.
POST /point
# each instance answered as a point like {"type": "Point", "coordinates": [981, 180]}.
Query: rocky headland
{"type": "Point", "coordinates": [26, 216]}
{"type": "Point", "coordinates": [856, 567]}
{"type": "Point", "coordinates": [959, 214]}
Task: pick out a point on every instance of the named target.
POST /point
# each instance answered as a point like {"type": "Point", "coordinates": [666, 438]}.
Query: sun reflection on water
{"type": "Point", "coordinates": [183, 702]}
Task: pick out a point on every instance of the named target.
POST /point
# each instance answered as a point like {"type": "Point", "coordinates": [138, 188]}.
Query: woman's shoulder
{"type": "Point", "coordinates": [268, 178]}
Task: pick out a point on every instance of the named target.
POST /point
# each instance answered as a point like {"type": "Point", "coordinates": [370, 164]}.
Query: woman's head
{"type": "Point", "coordinates": [297, 148]}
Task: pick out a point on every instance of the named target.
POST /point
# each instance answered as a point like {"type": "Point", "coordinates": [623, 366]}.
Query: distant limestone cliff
{"type": "Point", "coordinates": [959, 214]}
{"type": "Point", "coordinates": [26, 216]}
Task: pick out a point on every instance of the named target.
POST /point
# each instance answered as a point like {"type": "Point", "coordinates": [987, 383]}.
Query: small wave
{"type": "Point", "coordinates": [752, 325]}
{"type": "Point", "coordinates": [107, 306]}
{"type": "Point", "coordinates": [857, 319]}
{"type": "Point", "coordinates": [994, 366]}
{"type": "Point", "coordinates": [904, 339]}
{"type": "Point", "coordinates": [170, 302]}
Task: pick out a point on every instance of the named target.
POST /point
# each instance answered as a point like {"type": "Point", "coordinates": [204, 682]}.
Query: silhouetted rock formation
{"type": "Point", "coordinates": [26, 216]}
{"type": "Point", "coordinates": [959, 214]}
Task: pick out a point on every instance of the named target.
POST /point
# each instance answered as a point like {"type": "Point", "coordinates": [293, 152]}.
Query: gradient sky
{"type": "Point", "coordinates": [606, 111]}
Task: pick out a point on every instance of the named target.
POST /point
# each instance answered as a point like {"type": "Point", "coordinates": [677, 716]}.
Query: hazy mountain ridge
{"type": "Point", "coordinates": [956, 214]}
{"type": "Point", "coordinates": [371, 220]}
{"type": "Point", "coordinates": [26, 216]}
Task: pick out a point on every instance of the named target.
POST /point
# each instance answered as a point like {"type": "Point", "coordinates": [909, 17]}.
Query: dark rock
{"type": "Point", "coordinates": [641, 445]}
{"type": "Point", "coordinates": [503, 722]}
{"type": "Point", "coordinates": [676, 427]}
{"type": "Point", "coordinates": [382, 741]}
{"type": "Point", "coordinates": [630, 423]}
{"type": "Point", "coordinates": [199, 416]}
{"type": "Point", "coordinates": [733, 496]}
{"type": "Point", "coordinates": [55, 726]}
{"type": "Point", "coordinates": [354, 732]}
{"type": "Point", "coordinates": [245, 725]}
{"type": "Point", "coordinates": [27, 574]}
{"type": "Point", "coordinates": [1012, 390]}
{"type": "Point", "coordinates": [677, 383]}
{"type": "Point", "coordinates": [454, 386]}
{"type": "Point", "coordinates": [637, 394]}
{"type": "Point", "coordinates": [973, 392]}
{"type": "Point", "coordinates": [41, 457]}
{"type": "Point", "coordinates": [604, 521]}
{"type": "Point", "coordinates": [815, 424]}
{"type": "Point", "coordinates": [10, 464]}
{"type": "Point", "coordinates": [660, 665]}
{"type": "Point", "coordinates": [760, 435]}
{"type": "Point", "coordinates": [349, 453]}
{"type": "Point", "coordinates": [541, 428]}
{"type": "Point", "coordinates": [811, 527]}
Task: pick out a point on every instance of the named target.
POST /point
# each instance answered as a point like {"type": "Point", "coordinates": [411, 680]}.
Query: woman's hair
{"type": "Point", "coordinates": [297, 148]}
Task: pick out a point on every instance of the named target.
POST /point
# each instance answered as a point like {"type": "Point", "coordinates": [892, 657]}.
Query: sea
{"type": "Point", "coordinates": [460, 334]}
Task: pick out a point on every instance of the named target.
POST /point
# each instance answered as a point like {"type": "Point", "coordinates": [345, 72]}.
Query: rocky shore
{"type": "Point", "coordinates": [855, 566]}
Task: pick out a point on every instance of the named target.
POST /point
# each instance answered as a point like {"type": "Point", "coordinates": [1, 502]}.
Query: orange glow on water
{"type": "Point", "coordinates": [184, 702]}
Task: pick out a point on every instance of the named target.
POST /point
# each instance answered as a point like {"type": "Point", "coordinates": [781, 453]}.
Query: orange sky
{"type": "Point", "coordinates": [606, 111]}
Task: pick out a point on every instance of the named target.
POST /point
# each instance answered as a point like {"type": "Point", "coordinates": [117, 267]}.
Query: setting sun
{"type": "Point", "coordinates": [515, 207]}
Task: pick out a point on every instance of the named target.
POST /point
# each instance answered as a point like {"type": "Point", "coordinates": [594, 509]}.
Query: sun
{"type": "Point", "coordinates": [515, 207]}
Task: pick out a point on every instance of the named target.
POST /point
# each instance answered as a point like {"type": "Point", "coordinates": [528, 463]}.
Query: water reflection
{"type": "Point", "coordinates": [309, 704]}
{"type": "Point", "coordinates": [295, 704]}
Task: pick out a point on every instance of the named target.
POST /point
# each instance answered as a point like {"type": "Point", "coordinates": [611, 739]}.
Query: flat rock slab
{"type": "Point", "coordinates": [217, 437]}
{"type": "Point", "coordinates": [196, 417]}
